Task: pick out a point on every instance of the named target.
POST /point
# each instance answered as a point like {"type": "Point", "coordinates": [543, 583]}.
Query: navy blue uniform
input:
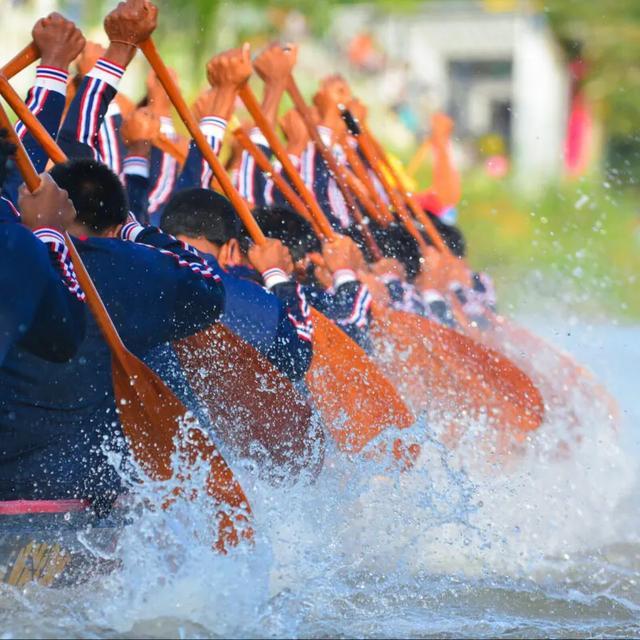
{"type": "Point", "coordinates": [45, 100]}
{"type": "Point", "coordinates": [42, 304]}
{"type": "Point", "coordinates": [80, 135]}
{"type": "Point", "coordinates": [276, 322]}
{"type": "Point", "coordinates": [163, 176]}
{"type": "Point", "coordinates": [347, 303]}
{"type": "Point", "coordinates": [429, 304]}
{"type": "Point", "coordinates": [55, 419]}
{"type": "Point", "coordinates": [196, 172]}
{"type": "Point", "coordinates": [318, 178]}
{"type": "Point", "coordinates": [256, 186]}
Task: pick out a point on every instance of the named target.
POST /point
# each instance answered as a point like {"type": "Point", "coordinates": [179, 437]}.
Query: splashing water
{"type": "Point", "coordinates": [541, 543]}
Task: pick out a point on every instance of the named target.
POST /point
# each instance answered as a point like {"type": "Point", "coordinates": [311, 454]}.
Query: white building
{"type": "Point", "coordinates": [494, 71]}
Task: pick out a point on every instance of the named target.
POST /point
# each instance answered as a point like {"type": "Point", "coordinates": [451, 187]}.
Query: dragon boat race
{"type": "Point", "coordinates": [319, 319]}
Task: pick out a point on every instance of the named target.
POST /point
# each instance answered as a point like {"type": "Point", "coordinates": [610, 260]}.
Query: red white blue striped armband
{"type": "Point", "coordinates": [136, 166]}
{"type": "Point", "coordinates": [273, 277]}
{"type": "Point", "coordinates": [60, 258]}
{"type": "Point", "coordinates": [107, 71]}
{"type": "Point", "coordinates": [52, 79]}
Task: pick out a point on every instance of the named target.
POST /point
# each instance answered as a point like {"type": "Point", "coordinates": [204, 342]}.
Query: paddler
{"type": "Point", "coordinates": [42, 304]}
{"type": "Point", "coordinates": [59, 421]}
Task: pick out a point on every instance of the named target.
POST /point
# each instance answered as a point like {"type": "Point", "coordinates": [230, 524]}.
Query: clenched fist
{"type": "Point", "coordinates": [230, 69]}
{"type": "Point", "coordinates": [131, 22]}
{"type": "Point", "coordinates": [276, 62]}
{"type": "Point", "coordinates": [58, 40]}
{"type": "Point", "coordinates": [271, 255]}
{"type": "Point", "coordinates": [342, 253]}
{"type": "Point", "coordinates": [141, 125]}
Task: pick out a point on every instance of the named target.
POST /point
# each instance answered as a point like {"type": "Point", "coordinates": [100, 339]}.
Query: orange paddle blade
{"type": "Point", "coordinates": [558, 377]}
{"type": "Point", "coordinates": [150, 413]}
{"type": "Point", "coordinates": [254, 408]}
{"type": "Point", "coordinates": [152, 417]}
{"type": "Point", "coordinates": [355, 400]}
{"type": "Point", "coordinates": [449, 375]}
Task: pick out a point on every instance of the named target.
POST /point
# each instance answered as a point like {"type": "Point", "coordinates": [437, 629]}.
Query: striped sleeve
{"type": "Point", "coordinates": [46, 101]}
{"type": "Point", "coordinates": [196, 171]}
{"type": "Point", "coordinates": [79, 135]}
{"type": "Point", "coordinates": [294, 300]}
{"type": "Point", "coordinates": [60, 259]}
{"type": "Point", "coordinates": [163, 177]}
{"type": "Point", "coordinates": [213, 129]}
{"type": "Point", "coordinates": [185, 255]}
{"type": "Point", "coordinates": [353, 297]}
{"type": "Point", "coordinates": [254, 185]}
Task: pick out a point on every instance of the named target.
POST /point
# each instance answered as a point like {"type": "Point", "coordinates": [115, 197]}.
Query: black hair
{"type": "Point", "coordinates": [396, 242]}
{"type": "Point", "coordinates": [96, 192]}
{"type": "Point", "coordinates": [201, 212]}
{"type": "Point", "coordinates": [7, 150]}
{"type": "Point", "coordinates": [354, 231]}
{"type": "Point", "coordinates": [284, 224]}
{"type": "Point", "coordinates": [452, 236]}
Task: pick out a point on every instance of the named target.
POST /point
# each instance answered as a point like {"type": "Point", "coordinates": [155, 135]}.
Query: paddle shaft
{"type": "Point", "coordinates": [371, 157]}
{"type": "Point", "coordinates": [254, 109]}
{"type": "Point", "coordinates": [168, 146]}
{"type": "Point", "coordinates": [337, 171]}
{"type": "Point", "coordinates": [285, 188]}
{"type": "Point", "coordinates": [32, 180]}
{"type": "Point", "coordinates": [383, 216]}
{"type": "Point", "coordinates": [151, 53]}
{"type": "Point", "coordinates": [409, 198]}
{"type": "Point", "coordinates": [21, 61]}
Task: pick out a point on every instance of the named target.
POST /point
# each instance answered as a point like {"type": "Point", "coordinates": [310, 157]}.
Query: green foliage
{"type": "Point", "coordinates": [577, 245]}
{"type": "Point", "coordinates": [606, 35]}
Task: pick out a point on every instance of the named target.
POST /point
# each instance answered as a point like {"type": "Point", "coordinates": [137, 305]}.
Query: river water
{"type": "Point", "coordinates": [544, 544]}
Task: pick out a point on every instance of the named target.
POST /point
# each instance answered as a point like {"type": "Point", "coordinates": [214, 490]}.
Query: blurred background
{"type": "Point", "coordinates": [545, 97]}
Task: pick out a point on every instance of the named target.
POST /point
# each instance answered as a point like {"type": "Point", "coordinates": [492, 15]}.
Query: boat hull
{"type": "Point", "coordinates": [57, 549]}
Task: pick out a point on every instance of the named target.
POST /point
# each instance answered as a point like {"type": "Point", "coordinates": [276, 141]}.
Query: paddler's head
{"type": "Point", "coordinates": [284, 224]}
{"type": "Point", "coordinates": [97, 194]}
{"type": "Point", "coordinates": [207, 221]}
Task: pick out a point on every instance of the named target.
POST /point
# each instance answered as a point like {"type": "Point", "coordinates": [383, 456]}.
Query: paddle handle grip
{"type": "Point", "coordinates": [150, 51]}
{"type": "Point", "coordinates": [32, 180]}
{"type": "Point", "coordinates": [21, 60]}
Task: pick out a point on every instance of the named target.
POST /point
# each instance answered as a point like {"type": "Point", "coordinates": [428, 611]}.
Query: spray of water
{"type": "Point", "coordinates": [369, 548]}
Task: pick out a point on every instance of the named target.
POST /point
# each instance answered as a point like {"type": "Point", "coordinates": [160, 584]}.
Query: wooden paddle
{"type": "Point", "coordinates": [438, 354]}
{"type": "Point", "coordinates": [168, 146]}
{"type": "Point", "coordinates": [263, 416]}
{"type": "Point", "coordinates": [382, 217]}
{"type": "Point", "coordinates": [151, 415]}
{"type": "Point", "coordinates": [356, 401]}
{"type": "Point", "coordinates": [21, 61]}
{"type": "Point", "coordinates": [515, 341]}
{"type": "Point", "coordinates": [482, 362]}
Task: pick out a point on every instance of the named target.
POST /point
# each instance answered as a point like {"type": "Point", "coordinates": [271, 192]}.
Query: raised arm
{"type": "Point", "coordinates": [126, 26]}
{"type": "Point", "coordinates": [226, 73]}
